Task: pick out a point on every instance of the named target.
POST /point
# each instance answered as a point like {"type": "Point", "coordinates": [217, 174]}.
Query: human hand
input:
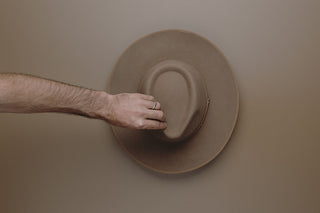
{"type": "Point", "coordinates": [134, 111]}
{"type": "Point", "coordinates": [29, 94]}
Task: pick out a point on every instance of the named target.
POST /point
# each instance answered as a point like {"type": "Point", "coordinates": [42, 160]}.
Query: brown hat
{"type": "Point", "coordinates": [184, 72]}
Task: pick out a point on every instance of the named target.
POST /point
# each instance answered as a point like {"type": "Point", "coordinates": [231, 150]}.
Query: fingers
{"type": "Point", "coordinates": [137, 111]}
{"type": "Point", "coordinates": [155, 118]}
{"type": "Point", "coordinates": [148, 101]}
{"type": "Point", "coordinates": [155, 115]}
{"type": "Point", "coordinates": [150, 104]}
{"type": "Point", "coordinates": [154, 109]}
{"type": "Point", "coordinates": [153, 124]}
{"type": "Point", "coordinates": [145, 97]}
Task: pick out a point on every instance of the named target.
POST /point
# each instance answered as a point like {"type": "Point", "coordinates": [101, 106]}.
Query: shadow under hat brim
{"type": "Point", "coordinates": [222, 114]}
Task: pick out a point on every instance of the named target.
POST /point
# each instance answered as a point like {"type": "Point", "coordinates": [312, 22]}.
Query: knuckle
{"type": "Point", "coordinates": [140, 124]}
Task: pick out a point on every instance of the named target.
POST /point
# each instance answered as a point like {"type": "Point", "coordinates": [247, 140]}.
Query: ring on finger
{"type": "Point", "coordinates": [154, 105]}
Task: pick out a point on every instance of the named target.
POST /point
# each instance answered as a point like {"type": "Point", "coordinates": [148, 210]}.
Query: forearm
{"type": "Point", "coordinates": [28, 94]}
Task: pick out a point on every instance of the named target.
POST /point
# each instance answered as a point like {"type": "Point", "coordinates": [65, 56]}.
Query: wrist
{"type": "Point", "coordinates": [101, 105]}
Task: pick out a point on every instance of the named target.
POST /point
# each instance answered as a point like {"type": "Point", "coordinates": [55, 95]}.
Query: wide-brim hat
{"type": "Point", "coordinates": [198, 93]}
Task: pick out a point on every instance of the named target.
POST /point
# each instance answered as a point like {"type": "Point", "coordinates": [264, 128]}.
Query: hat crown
{"type": "Point", "coordinates": [131, 73]}
{"type": "Point", "coordinates": [182, 92]}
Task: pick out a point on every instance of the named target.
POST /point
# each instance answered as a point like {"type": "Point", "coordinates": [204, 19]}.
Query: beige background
{"type": "Point", "coordinates": [63, 163]}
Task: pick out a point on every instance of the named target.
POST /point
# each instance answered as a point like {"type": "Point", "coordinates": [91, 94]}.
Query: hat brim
{"type": "Point", "coordinates": [222, 113]}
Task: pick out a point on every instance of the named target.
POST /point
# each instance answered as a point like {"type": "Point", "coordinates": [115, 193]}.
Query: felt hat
{"type": "Point", "coordinates": [197, 91]}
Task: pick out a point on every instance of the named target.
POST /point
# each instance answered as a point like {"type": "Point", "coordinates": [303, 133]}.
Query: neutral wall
{"type": "Point", "coordinates": [63, 163]}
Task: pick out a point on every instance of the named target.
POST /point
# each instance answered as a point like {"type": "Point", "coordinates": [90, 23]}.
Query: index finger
{"type": "Point", "coordinates": [146, 97]}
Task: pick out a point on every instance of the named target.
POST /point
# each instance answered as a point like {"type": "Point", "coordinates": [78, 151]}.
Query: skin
{"type": "Point", "coordinates": [29, 94]}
